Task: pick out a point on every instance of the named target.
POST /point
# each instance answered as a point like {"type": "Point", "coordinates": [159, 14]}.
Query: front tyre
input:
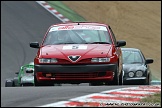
{"type": "Point", "coordinates": [121, 78]}
{"type": "Point", "coordinates": [36, 83]}
{"type": "Point", "coordinates": [9, 83]}
{"type": "Point", "coordinates": [147, 81]}
{"type": "Point", "coordinates": [116, 77]}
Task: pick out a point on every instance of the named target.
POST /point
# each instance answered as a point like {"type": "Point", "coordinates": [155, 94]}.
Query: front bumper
{"type": "Point", "coordinates": [134, 80]}
{"type": "Point", "coordinates": [75, 73]}
{"type": "Point", "coordinates": [27, 81]}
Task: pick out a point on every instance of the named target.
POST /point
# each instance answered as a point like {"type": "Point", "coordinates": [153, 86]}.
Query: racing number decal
{"type": "Point", "coordinates": [68, 47]}
{"type": "Point", "coordinates": [75, 47]}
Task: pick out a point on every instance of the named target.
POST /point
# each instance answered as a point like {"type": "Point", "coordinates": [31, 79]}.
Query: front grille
{"type": "Point", "coordinates": [83, 61]}
{"type": "Point", "coordinates": [76, 75]}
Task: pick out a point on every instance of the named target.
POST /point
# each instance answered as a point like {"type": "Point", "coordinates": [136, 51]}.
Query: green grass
{"type": "Point", "coordinates": [154, 99]}
{"type": "Point", "coordinates": [65, 11]}
{"type": "Point", "coordinates": [154, 78]}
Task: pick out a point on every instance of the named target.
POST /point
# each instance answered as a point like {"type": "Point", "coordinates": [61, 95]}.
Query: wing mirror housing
{"type": "Point", "coordinates": [34, 45]}
{"type": "Point", "coordinates": [17, 73]}
{"type": "Point", "coordinates": [149, 60]}
{"type": "Point", "coordinates": [121, 43]}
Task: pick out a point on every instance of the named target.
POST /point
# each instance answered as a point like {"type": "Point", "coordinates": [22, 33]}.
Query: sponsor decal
{"type": "Point", "coordinates": [76, 27]}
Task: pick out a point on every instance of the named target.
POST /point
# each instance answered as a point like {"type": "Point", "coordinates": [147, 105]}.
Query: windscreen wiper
{"type": "Point", "coordinates": [135, 62]}
{"type": "Point", "coordinates": [99, 43]}
{"type": "Point", "coordinates": [65, 43]}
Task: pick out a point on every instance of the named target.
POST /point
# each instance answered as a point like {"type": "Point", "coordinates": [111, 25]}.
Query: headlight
{"type": "Point", "coordinates": [47, 60]}
{"type": "Point", "coordinates": [131, 74]}
{"type": "Point", "coordinates": [100, 60]}
{"type": "Point", "coordinates": [139, 73]}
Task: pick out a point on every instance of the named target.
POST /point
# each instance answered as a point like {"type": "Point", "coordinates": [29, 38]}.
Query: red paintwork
{"type": "Point", "coordinates": [108, 76]}
{"type": "Point", "coordinates": [93, 50]}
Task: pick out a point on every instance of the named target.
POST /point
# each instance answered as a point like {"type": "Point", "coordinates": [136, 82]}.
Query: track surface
{"type": "Point", "coordinates": [21, 23]}
{"type": "Point", "coordinates": [38, 96]}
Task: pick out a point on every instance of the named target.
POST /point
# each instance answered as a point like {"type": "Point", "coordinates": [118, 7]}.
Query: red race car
{"type": "Point", "coordinates": [78, 52]}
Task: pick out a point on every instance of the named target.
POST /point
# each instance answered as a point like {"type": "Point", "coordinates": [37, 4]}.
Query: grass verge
{"type": "Point", "coordinates": [153, 100]}
{"type": "Point", "coordinates": [66, 11]}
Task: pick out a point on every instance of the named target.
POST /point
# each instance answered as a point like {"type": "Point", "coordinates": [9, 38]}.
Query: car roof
{"type": "Point", "coordinates": [130, 49]}
{"type": "Point", "coordinates": [80, 23]}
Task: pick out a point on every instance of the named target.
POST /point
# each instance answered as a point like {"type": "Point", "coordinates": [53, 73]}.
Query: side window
{"type": "Point", "coordinates": [113, 36]}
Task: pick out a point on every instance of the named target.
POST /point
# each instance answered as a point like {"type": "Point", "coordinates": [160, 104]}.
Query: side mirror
{"type": "Point", "coordinates": [120, 43]}
{"type": "Point", "coordinates": [17, 73]}
{"type": "Point", "coordinates": [148, 61]}
{"type": "Point", "coordinates": [34, 45]}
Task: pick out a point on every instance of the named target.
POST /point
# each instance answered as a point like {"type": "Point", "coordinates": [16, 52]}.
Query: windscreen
{"type": "Point", "coordinates": [131, 57]}
{"type": "Point", "coordinates": [78, 34]}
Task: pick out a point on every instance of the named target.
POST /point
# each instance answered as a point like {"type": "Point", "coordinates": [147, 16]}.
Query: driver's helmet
{"type": "Point", "coordinates": [62, 35]}
{"type": "Point", "coordinates": [31, 63]}
{"type": "Point", "coordinates": [29, 70]}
